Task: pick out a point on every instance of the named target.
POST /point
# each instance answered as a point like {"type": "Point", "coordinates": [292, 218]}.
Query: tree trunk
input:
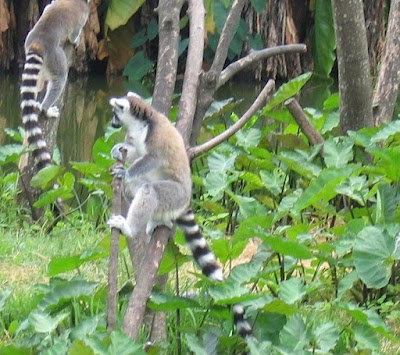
{"type": "Point", "coordinates": [387, 88]}
{"type": "Point", "coordinates": [353, 62]}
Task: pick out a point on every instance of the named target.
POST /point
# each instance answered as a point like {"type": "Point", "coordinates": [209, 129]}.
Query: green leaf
{"type": "Point", "coordinates": [326, 335]}
{"type": "Point", "coordinates": [65, 291]}
{"type": "Point", "coordinates": [58, 265]}
{"type": "Point", "coordinates": [45, 176]}
{"type": "Point", "coordinates": [288, 247]}
{"type": "Point", "coordinates": [346, 283]}
{"type": "Point", "coordinates": [120, 11]}
{"type": "Point", "coordinates": [280, 307]}
{"type": "Point", "coordinates": [259, 5]}
{"type": "Point", "coordinates": [258, 348]}
{"type": "Point", "coordinates": [337, 153]}
{"type": "Point", "coordinates": [60, 346]}
{"type": "Point", "coordinates": [324, 38]}
{"type": "Point", "coordinates": [323, 188]}
{"type": "Point", "coordinates": [86, 328]}
{"type": "Point", "coordinates": [287, 91]}
{"type": "Point", "coordinates": [332, 102]}
{"type": "Point", "coordinates": [78, 347]}
{"type": "Point", "coordinates": [373, 256]}
{"type": "Point", "coordinates": [195, 345]}
{"type": "Point", "coordinates": [248, 138]}
{"type": "Point", "coordinates": [121, 344]}
{"type": "Point", "coordinates": [365, 337]}
{"type": "Point", "coordinates": [292, 290]}
{"type": "Point", "coordinates": [294, 334]}
{"type": "Point", "coordinates": [387, 201]}
{"type": "Point", "coordinates": [218, 162]}
{"type": "Point", "coordinates": [43, 323]}
{"type": "Point", "coordinates": [164, 302]}
{"type": "Point", "coordinates": [138, 67]}
{"type": "Point", "coordinates": [3, 298]}
{"type": "Point", "coordinates": [389, 130]}
{"type": "Point", "coordinates": [355, 188]}
{"type": "Point", "coordinates": [10, 153]}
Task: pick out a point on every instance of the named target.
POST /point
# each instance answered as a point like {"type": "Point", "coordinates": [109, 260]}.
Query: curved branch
{"type": "Point", "coordinates": [260, 100]}
{"type": "Point", "coordinates": [255, 56]}
{"type": "Point", "coordinates": [304, 123]}
{"type": "Point", "coordinates": [187, 103]}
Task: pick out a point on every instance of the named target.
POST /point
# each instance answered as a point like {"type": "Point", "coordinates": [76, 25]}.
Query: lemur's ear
{"type": "Point", "coordinates": [120, 104]}
{"type": "Point", "coordinates": [133, 94]}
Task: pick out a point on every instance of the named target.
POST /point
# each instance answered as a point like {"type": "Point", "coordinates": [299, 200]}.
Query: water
{"type": "Point", "coordinates": [85, 112]}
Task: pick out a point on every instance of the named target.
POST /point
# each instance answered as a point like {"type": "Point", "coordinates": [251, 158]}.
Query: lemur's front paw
{"type": "Point", "coordinates": [53, 112]}
{"type": "Point", "coordinates": [118, 171]}
{"type": "Point", "coordinates": [120, 223]}
{"type": "Point", "coordinates": [118, 152]}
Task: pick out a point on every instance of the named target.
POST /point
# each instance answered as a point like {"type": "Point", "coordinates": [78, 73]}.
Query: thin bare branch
{"type": "Point", "coordinates": [144, 282]}
{"type": "Point", "coordinates": [112, 290]}
{"type": "Point", "coordinates": [304, 123]}
{"type": "Point", "coordinates": [188, 101]}
{"type": "Point", "coordinates": [208, 80]}
{"type": "Point", "coordinates": [387, 87]}
{"type": "Point", "coordinates": [257, 104]}
{"type": "Point", "coordinates": [255, 56]}
{"type": "Point", "coordinates": [227, 33]}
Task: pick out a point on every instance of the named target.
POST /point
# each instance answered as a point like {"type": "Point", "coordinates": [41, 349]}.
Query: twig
{"type": "Point", "coordinates": [304, 123]}
{"type": "Point", "coordinates": [144, 282]}
{"type": "Point", "coordinates": [260, 100]}
{"type": "Point", "coordinates": [112, 291]}
{"type": "Point", "coordinates": [255, 56]}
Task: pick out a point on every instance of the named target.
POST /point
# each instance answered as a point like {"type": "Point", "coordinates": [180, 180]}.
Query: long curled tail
{"type": "Point", "coordinates": [30, 110]}
{"type": "Point", "coordinates": [205, 258]}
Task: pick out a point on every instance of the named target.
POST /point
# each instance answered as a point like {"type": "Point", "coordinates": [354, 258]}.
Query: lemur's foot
{"type": "Point", "coordinates": [53, 112]}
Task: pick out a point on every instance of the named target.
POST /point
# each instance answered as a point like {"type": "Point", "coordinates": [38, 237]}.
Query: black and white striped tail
{"type": "Point", "coordinates": [30, 110]}
{"type": "Point", "coordinates": [198, 246]}
{"type": "Point", "coordinates": [205, 258]}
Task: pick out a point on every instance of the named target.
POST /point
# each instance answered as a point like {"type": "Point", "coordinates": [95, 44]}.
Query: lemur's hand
{"type": "Point", "coordinates": [118, 152]}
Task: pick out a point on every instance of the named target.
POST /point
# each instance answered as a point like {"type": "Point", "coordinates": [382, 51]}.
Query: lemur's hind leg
{"type": "Point", "coordinates": [154, 204]}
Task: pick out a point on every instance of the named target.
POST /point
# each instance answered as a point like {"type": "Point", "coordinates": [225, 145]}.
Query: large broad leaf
{"type": "Point", "coordinates": [195, 344]}
{"type": "Point", "coordinates": [164, 302]}
{"type": "Point", "coordinates": [219, 162]}
{"type": "Point", "coordinates": [292, 290]}
{"type": "Point", "coordinates": [44, 323]}
{"type": "Point", "coordinates": [337, 153]}
{"type": "Point", "coordinates": [326, 336]}
{"type": "Point", "coordinates": [45, 176]}
{"type": "Point", "coordinates": [66, 291]}
{"type": "Point", "coordinates": [391, 129]}
{"type": "Point", "coordinates": [373, 255]}
{"type": "Point", "coordinates": [120, 11]}
{"type": "Point", "coordinates": [287, 91]}
{"type": "Point", "coordinates": [323, 188]}
{"type": "Point", "coordinates": [366, 338]}
{"type": "Point", "coordinates": [294, 335]}
{"type": "Point", "coordinates": [121, 344]}
{"type": "Point", "coordinates": [10, 153]}
{"type": "Point", "coordinates": [289, 247]}
{"type": "Point", "coordinates": [324, 38]}
{"type": "Point", "coordinates": [138, 67]}
{"type": "Point", "coordinates": [387, 201]}
{"type": "Point", "coordinates": [3, 297]}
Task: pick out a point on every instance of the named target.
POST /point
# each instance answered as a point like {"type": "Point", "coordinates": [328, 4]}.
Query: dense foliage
{"type": "Point", "coordinates": [323, 221]}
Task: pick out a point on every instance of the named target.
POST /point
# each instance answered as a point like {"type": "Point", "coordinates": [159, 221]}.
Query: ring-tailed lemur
{"type": "Point", "coordinates": [158, 184]}
{"type": "Point", "coordinates": [59, 26]}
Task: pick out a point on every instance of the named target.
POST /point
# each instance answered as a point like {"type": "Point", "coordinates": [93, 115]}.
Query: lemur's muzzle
{"type": "Point", "coordinates": [116, 122]}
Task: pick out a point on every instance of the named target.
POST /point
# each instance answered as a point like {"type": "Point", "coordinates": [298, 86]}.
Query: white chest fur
{"type": "Point", "coordinates": [136, 136]}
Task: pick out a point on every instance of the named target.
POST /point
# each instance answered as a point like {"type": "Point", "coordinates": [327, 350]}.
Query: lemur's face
{"type": "Point", "coordinates": [122, 109]}
{"type": "Point", "coordinates": [121, 112]}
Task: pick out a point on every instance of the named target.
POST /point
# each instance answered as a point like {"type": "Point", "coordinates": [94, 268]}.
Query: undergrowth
{"type": "Point", "coordinates": [308, 237]}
